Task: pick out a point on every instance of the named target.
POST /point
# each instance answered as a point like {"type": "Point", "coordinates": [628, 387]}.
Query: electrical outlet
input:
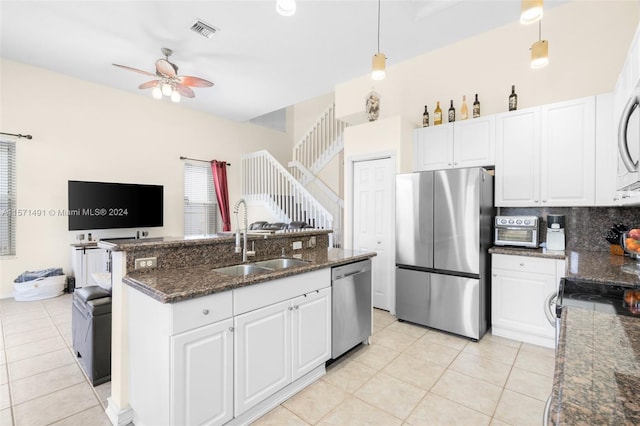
{"type": "Point", "coordinates": [312, 242]}
{"type": "Point", "coordinates": [146, 262]}
{"type": "Point", "coordinates": [297, 245]}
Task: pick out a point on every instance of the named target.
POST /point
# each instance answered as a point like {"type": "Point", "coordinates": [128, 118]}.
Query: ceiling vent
{"type": "Point", "coordinates": [203, 29]}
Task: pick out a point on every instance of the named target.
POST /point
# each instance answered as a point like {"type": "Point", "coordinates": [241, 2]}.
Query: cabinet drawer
{"type": "Point", "coordinates": [535, 265]}
{"type": "Point", "coordinates": [200, 311]}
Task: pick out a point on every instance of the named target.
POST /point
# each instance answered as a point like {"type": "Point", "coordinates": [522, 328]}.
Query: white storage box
{"type": "Point", "coordinates": [40, 288]}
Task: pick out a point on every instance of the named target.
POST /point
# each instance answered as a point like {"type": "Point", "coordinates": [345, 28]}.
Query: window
{"type": "Point", "coordinates": [7, 198]}
{"type": "Point", "coordinates": [200, 203]}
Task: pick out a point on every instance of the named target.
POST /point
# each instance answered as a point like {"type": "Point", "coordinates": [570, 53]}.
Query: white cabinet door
{"type": "Point", "coordinates": [311, 331]}
{"type": "Point", "coordinates": [262, 354]}
{"type": "Point", "coordinates": [517, 180]}
{"type": "Point", "coordinates": [433, 147]}
{"type": "Point", "coordinates": [474, 142]}
{"type": "Point", "coordinates": [201, 375]}
{"type": "Point", "coordinates": [96, 260]}
{"type": "Point", "coordinates": [568, 147]}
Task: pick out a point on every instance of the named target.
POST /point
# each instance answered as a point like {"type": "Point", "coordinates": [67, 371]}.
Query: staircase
{"type": "Point", "coordinates": [298, 194]}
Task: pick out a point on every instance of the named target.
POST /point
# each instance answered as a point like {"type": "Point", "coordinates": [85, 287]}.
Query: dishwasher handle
{"type": "Point", "coordinates": [346, 271]}
{"type": "Point", "coordinates": [548, 310]}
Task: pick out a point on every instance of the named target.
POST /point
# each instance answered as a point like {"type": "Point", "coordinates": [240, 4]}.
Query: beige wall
{"type": "Point", "coordinates": [86, 131]}
{"type": "Point", "coordinates": [588, 41]}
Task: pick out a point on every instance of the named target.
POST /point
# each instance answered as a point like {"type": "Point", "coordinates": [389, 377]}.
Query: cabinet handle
{"type": "Point", "coordinates": [296, 306]}
{"type": "Point", "coordinates": [290, 308]}
{"type": "Point", "coordinates": [535, 201]}
{"type": "Point", "coordinates": [205, 311]}
{"type": "Point", "coordinates": [522, 264]}
{"type": "Point", "coordinates": [231, 329]}
{"type": "Point", "coordinates": [544, 201]}
{"type": "Point", "coordinates": [495, 275]}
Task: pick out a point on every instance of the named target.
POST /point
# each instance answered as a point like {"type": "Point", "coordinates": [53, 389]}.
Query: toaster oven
{"type": "Point", "coordinates": [518, 231]}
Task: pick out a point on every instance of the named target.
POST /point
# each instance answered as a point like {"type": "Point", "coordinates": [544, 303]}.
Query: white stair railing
{"type": "Point", "coordinates": [320, 143]}
{"type": "Point", "coordinates": [264, 179]}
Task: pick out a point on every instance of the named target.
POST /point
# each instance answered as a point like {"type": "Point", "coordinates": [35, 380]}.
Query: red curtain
{"type": "Point", "coordinates": [219, 170]}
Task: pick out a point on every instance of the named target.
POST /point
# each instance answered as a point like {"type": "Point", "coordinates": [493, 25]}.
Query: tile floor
{"type": "Point", "coordinates": [409, 375]}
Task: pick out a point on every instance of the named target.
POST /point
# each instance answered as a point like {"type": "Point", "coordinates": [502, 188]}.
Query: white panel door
{"type": "Point", "coordinates": [311, 331]}
{"type": "Point", "coordinates": [202, 375]}
{"type": "Point", "coordinates": [262, 354]}
{"type": "Point", "coordinates": [373, 223]}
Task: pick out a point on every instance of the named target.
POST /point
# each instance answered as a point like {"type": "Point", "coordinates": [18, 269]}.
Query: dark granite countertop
{"type": "Point", "coordinates": [177, 284]}
{"type": "Point", "coordinates": [222, 237]}
{"type": "Point", "coordinates": [597, 373]}
{"type": "Point", "coordinates": [602, 267]}
{"type": "Point", "coordinates": [531, 252]}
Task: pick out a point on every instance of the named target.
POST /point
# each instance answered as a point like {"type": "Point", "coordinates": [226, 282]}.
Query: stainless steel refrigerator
{"type": "Point", "coordinates": [444, 222]}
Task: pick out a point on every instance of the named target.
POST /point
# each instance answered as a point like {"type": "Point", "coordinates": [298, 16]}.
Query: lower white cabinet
{"type": "Point", "coordinates": [202, 375]}
{"type": "Point", "coordinates": [278, 344]}
{"type": "Point", "coordinates": [520, 287]}
{"type": "Point", "coordinates": [208, 360]}
{"type": "Point", "coordinates": [87, 260]}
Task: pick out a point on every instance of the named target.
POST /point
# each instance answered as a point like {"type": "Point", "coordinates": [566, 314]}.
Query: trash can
{"type": "Point", "coordinates": [91, 332]}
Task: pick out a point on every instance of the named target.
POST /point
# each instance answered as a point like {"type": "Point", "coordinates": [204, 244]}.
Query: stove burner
{"type": "Point", "coordinates": [598, 297]}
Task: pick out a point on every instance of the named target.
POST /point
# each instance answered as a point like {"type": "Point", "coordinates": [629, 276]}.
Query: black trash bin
{"type": "Point", "coordinates": [91, 332]}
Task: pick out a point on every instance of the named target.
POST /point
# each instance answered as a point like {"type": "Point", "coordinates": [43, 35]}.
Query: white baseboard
{"type": "Point", "coordinates": [118, 416]}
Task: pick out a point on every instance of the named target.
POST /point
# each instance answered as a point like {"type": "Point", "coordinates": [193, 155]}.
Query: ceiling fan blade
{"type": "Point", "coordinates": [135, 70]}
{"type": "Point", "coordinates": [185, 91]}
{"type": "Point", "coordinates": [194, 81]}
{"type": "Point", "coordinates": [149, 84]}
{"type": "Point", "coordinates": [166, 68]}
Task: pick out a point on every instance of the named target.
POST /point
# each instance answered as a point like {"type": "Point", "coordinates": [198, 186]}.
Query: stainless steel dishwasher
{"type": "Point", "coordinates": [351, 306]}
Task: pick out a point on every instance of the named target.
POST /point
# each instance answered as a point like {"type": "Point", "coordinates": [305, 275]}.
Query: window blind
{"type": "Point", "coordinates": [200, 203]}
{"type": "Point", "coordinates": [7, 198]}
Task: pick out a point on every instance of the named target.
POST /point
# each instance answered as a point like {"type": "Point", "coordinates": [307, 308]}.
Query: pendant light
{"type": "Point", "coordinates": [286, 7]}
{"type": "Point", "coordinates": [378, 62]}
{"type": "Point", "coordinates": [530, 11]}
{"type": "Point", "coordinates": [540, 51]}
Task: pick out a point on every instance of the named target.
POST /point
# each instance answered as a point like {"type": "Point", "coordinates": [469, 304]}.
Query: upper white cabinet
{"type": "Point", "coordinates": [467, 143]}
{"type": "Point", "coordinates": [87, 260]}
{"type": "Point", "coordinates": [546, 155]}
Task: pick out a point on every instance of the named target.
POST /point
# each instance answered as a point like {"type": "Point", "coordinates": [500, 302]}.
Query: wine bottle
{"type": "Point", "coordinates": [425, 117]}
{"type": "Point", "coordinates": [476, 107]}
{"type": "Point", "coordinates": [464, 111]}
{"type": "Point", "coordinates": [513, 99]}
{"type": "Point", "coordinates": [452, 113]}
{"type": "Point", "coordinates": [437, 117]}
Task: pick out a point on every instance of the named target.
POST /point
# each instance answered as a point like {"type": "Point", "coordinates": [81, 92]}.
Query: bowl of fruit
{"type": "Point", "coordinates": [630, 242]}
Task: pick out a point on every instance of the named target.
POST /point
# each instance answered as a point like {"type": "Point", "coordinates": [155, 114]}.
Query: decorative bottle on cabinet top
{"type": "Point", "coordinates": [372, 106]}
{"type": "Point", "coordinates": [464, 111]}
{"type": "Point", "coordinates": [452, 113]}
{"type": "Point", "coordinates": [513, 99]}
{"type": "Point", "coordinates": [425, 117]}
{"type": "Point", "coordinates": [476, 107]}
{"type": "Point", "coordinates": [437, 117]}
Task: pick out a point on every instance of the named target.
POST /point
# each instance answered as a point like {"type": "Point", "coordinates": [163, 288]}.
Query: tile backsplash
{"type": "Point", "coordinates": [585, 227]}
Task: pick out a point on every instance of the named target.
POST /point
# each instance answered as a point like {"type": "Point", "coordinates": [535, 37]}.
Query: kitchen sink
{"type": "Point", "coordinates": [281, 263]}
{"type": "Point", "coordinates": [241, 270]}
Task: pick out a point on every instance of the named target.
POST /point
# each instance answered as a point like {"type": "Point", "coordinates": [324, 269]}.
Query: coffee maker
{"type": "Point", "coordinates": [555, 232]}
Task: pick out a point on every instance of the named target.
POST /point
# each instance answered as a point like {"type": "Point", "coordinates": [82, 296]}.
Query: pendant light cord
{"type": "Point", "coordinates": [379, 26]}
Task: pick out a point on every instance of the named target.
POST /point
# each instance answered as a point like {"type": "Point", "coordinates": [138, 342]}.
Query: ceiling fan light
{"type": "Point", "coordinates": [286, 7]}
{"type": "Point", "coordinates": [166, 89]}
{"type": "Point", "coordinates": [378, 66]}
{"type": "Point", "coordinates": [175, 96]}
{"type": "Point", "coordinates": [156, 93]}
{"type": "Point", "coordinates": [531, 11]}
{"type": "Point", "coordinates": [540, 54]}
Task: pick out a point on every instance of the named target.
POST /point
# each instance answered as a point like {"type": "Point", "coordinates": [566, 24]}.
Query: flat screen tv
{"type": "Point", "coordinates": [105, 205]}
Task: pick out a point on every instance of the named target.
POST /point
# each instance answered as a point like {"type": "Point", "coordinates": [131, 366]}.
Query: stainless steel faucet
{"type": "Point", "coordinates": [242, 249]}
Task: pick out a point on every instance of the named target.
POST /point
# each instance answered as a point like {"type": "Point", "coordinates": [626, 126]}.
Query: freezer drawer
{"type": "Point", "coordinates": [445, 302]}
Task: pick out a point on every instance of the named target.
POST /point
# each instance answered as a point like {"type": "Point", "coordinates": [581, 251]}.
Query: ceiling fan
{"type": "Point", "coordinates": [168, 82]}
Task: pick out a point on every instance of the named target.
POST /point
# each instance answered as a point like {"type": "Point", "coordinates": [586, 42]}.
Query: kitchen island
{"type": "Point", "coordinates": [193, 344]}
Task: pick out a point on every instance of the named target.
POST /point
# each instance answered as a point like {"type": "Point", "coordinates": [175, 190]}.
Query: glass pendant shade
{"type": "Point", "coordinates": [166, 89]}
{"type": "Point", "coordinates": [156, 93]}
{"type": "Point", "coordinates": [175, 96]}
{"type": "Point", "coordinates": [540, 54]}
{"type": "Point", "coordinates": [378, 66]}
{"type": "Point", "coordinates": [286, 7]}
{"type": "Point", "coordinates": [531, 11]}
